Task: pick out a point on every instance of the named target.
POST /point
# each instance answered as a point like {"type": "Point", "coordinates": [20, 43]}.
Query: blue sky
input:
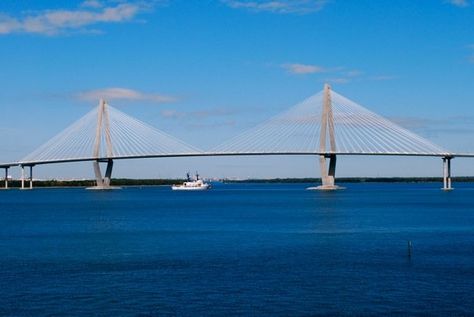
{"type": "Point", "coordinates": [205, 70]}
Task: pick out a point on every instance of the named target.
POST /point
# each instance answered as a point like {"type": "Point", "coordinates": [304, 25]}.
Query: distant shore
{"type": "Point", "coordinates": [92, 182]}
{"type": "Point", "coordinates": [465, 179]}
{"type": "Point", "coordinates": [163, 182]}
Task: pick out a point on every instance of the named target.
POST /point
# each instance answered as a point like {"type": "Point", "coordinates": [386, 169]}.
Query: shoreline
{"type": "Point", "coordinates": [168, 182]}
{"type": "Point", "coordinates": [462, 179]}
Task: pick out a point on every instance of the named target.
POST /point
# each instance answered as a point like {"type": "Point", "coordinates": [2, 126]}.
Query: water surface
{"type": "Point", "coordinates": [238, 249]}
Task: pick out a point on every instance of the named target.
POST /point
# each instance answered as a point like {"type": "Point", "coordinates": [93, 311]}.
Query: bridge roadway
{"type": "Point", "coordinates": [205, 154]}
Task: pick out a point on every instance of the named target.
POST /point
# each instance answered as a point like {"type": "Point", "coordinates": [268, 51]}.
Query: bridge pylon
{"type": "Point", "coordinates": [103, 132]}
{"type": "Point", "coordinates": [328, 174]}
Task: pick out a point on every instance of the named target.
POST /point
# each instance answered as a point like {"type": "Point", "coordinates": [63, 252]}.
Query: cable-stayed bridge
{"type": "Point", "coordinates": [326, 125]}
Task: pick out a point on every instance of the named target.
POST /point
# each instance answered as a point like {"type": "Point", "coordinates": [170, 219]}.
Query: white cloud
{"type": "Point", "coordinates": [335, 75]}
{"type": "Point", "coordinates": [201, 114]}
{"type": "Point", "coordinates": [338, 80]}
{"type": "Point", "coordinates": [52, 22]}
{"type": "Point", "coordinates": [382, 77]}
{"type": "Point", "coordinates": [278, 6]}
{"type": "Point", "coordinates": [301, 69]}
{"type": "Point", "coordinates": [172, 114]}
{"type": "Point", "coordinates": [123, 94]}
{"type": "Point", "coordinates": [431, 126]}
{"type": "Point", "coordinates": [459, 3]}
{"type": "Point", "coordinates": [353, 73]}
{"type": "Point", "coordinates": [203, 119]}
{"type": "Point", "coordinates": [92, 4]}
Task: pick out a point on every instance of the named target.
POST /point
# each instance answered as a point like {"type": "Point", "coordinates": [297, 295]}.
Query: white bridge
{"type": "Point", "coordinates": [324, 125]}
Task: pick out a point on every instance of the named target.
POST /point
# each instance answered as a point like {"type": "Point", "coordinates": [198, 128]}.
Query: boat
{"type": "Point", "coordinates": [190, 184]}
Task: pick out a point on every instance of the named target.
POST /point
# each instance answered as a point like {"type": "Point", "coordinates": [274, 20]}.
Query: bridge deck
{"type": "Point", "coordinates": [217, 154]}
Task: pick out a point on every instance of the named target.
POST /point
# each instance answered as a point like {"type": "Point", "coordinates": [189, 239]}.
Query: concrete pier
{"type": "Point", "coordinates": [31, 176]}
{"type": "Point", "coordinates": [328, 176]}
{"type": "Point", "coordinates": [103, 183]}
{"type": "Point", "coordinates": [6, 178]}
{"type": "Point", "coordinates": [447, 173]}
{"type": "Point", "coordinates": [22, 177]}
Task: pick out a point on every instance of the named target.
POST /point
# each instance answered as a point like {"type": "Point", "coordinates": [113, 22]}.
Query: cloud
{"type": "Point", "coordinates": [92, 4]}
{"type": "Point", "coordinates": [199, 114]}
{"type": "Point", "coordinates": [342, 76]}
{"type": "Point", "coordinates": [202, 119]}
{"type": "Point", "coordinates": [338, 80]}
{"type": "Point", "coordinates": [53, 22]}
{"type": "Point", "coordinates": [335, 75]}
{"type": "Point", "coordinates": [382, 77]}
{"type": "Point", "coordinates": [123, 94]}
{"type": "Point", "coordinates": [301, 69]}
{"type": "Point", "coordinates": [278, 6]}
{"type": "Point", "coordinates": [353, 73]}
{"type": "Point", "coordinates": [351, 76]}
{"type": "Point", "coordinates": [212, 125]}
{"type": "Point", "coordinates": [434, 126]}
{"type": "Point", "coordinates": [459, 3]}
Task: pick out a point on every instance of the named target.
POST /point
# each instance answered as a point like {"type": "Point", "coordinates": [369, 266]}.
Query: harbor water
{"type": "Point", "coordinates": [238, 249]}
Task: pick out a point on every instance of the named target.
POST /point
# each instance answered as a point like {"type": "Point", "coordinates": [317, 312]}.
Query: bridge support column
{"type": "Point", "coordinates": [447, 173]}
{"type": "Point", "coordinates": [108, 172]}
{"type": "Point", "coordinates": [31, 176]}
{"type": "Point", "coordinates": [22, 177]}
{"type": "Point", "coordinates": [328, 176]}
{"type": "Point", "coordinates": [98, 175]}
{"type": "Point", "coordinates": [103, 183]}
{"type": "Point", "coordinates": [6, 177]}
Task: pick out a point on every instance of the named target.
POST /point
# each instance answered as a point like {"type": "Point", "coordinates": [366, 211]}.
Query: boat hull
{"type": "Point", "coordinates": [181, 187]}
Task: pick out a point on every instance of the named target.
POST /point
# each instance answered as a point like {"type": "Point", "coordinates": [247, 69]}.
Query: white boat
{"type": "Point", "coordinates": [196, 184]}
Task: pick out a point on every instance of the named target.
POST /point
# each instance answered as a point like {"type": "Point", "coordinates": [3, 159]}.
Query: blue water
{"type": "Point", "coordinates": [239, 249]}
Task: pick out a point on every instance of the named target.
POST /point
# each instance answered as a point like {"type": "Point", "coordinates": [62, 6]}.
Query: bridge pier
{"type": "Point", "coordinates": [22, 177]}
{"type": "Point", "coordinates": [6, 178]}
{"type": "Point", "coordinates": [31, 176]}
{"type": "Point", "coordinates": [103, 183]}
{"type": "Point", "coordinates": [108, 173]}
{"type": "Point", "coordinates": [98, 175]}
{"type": "Point", "coordinates": [328, 176]}
{"type": "Point", "coordinates": [447, 173]}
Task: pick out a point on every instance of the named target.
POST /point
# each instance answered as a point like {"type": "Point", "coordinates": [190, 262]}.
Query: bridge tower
{"type": "Point", "coordinates": [103, 132]}
{"type": "Point", "coordinates": [328, 175]}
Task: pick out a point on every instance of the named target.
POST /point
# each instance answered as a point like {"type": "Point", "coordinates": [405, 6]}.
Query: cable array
{"type": "Point", "coordinates": [357, 131]}
{"type": "Point", "coordinates": [294, 130]}
{"type": "Point", "coordinates": [129, 137]}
